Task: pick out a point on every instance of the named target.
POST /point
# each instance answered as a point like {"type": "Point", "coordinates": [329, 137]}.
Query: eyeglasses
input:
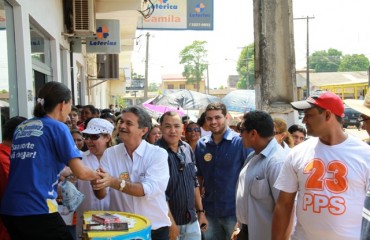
{"type": "Point", "coordinates": [93, 137]}
{"type": "Point", "coordinates": [277, 133]}
{"type": "Point", "coordinates": [182, 161]}
{"type": "Point", "coordinates": [363, 119]}
{"type": "Point", "coordinates": [241, 130]}
{"type": "Point", "coordinates": [192, 129]}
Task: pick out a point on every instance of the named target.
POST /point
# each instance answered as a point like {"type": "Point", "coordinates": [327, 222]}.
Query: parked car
{"type": "Point", "coordinates": [351, 117]}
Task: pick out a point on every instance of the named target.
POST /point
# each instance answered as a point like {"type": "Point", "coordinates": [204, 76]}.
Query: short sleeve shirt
{"type": "Point", "coordinates": [41, 148]}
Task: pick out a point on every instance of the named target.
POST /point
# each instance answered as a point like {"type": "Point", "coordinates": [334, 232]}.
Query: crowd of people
{"type": "Point", "coordinates": [259, 179]}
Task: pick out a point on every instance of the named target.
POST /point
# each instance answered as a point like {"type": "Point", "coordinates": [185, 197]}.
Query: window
{"type": "Point", "coordinates": [41, 58]}
{"type": "Point", "coordinates": [170, 86]}
{"type": "Point", "coordinates": [8, 73]}
{"type": "Point", "coordinates": [182, 86]}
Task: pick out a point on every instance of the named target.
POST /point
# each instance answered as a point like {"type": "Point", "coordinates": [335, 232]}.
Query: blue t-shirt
{"type": "Point", "coordinates": [220, 165]}
{"type": "Point", "coordinates": [41, 148]}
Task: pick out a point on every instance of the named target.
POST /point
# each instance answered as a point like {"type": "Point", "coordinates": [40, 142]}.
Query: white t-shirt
{"type": "Point", "coordinates": [90, 202]}
{"type": "Point", "coordinates": [331, 182]}
{"type": "Point", "coordinates": [204, 132]}
{"type": "Point", "coordinates": [286, 148]}
{"type": "Point", "coordinates": [149, 166]}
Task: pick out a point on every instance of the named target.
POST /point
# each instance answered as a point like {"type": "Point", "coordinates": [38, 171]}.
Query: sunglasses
{"type": "Point", "coordinates": [193, 129]}
{"type": "Point", "coordinates": [363, 119]}
{"type": "Point", "coordinates": [91, 136]}
{"type": "Point", "coordinates": [182, 161]}
{"type": "Point", "coordinates": [241, 129]}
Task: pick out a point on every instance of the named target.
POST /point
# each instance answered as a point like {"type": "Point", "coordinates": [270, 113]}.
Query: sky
{"type": "Point", "coordinates": [339, 24]}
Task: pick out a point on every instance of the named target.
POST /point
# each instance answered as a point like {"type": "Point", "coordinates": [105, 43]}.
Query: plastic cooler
{"type": "Point", "coordinates": [140, 231]}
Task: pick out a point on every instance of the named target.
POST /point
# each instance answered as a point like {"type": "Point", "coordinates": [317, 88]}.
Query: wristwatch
{"type": "Point", "coordinates": [122, 185]}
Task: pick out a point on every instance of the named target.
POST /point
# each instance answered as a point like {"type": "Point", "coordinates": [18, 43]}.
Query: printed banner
{"type": "Point", "coordinates": [107, 40]}
{"type": "Point", "coordinates": [179, 15]}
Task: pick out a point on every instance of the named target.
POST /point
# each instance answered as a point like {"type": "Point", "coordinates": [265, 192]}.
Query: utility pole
{"type": "Point", "coordinates": [146, 67]}
{"type": "Point", "coordinates": [307, 54]}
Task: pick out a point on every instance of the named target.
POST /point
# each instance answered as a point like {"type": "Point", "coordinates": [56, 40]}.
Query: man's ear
{"type": "Point", "coordinates": [144, 130]}
{"type": "Point", "coordinates": [253, 133]}
{"type": "Point", "coordinates": [328, 114]}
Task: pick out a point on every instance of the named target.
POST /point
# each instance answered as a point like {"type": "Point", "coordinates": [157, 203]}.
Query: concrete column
{"type": "Point", "coordinates": [274, 57]}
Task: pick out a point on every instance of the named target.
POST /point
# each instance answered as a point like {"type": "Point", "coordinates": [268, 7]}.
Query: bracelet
{"type": "Point", "coordinates": [200, 211]}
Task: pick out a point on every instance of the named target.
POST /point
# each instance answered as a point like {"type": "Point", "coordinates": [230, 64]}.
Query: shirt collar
{"type": "Point", "coordinates": [270, 146]}
{"type": "Point", "coordinates": [164, 144]}
{"type": "Point", "coordinates": [228, 135]}
{"type": "Point", "coordinates": [140, 150]}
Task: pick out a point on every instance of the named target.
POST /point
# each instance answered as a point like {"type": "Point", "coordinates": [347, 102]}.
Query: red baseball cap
{"type": "Point", "coordinates": [322, 99]}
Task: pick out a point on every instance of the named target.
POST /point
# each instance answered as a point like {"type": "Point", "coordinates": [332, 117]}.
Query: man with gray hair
{"type": "Point", "coordinates": [137, 173]}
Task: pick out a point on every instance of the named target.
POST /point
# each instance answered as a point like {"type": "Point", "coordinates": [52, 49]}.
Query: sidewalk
{"type": "Point", "coordinates": [362, 134]}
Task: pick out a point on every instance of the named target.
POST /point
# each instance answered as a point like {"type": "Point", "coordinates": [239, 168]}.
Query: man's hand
{"type": "Point", "coordinates": [203, 222]}
{"type": "Point", "coordinates": [174, 231]}
{"type": "Point", "coordinates": [105, 180]}
{"type": "Point", "coordinates": [234, 236]}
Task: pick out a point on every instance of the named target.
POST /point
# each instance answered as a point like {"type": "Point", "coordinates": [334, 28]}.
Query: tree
{"type": "Point", "coordinates": [194, 59]}
{"type": "Point", "coordinates": [326, 61]}
{"type": "Point", "coordinates": [354, 62]}
{"type": "Point", "coordinates": [153, 87]}
{"type": "Point", "coordinates": [136, 76]}
{"type": "Point", "coordinates": [245, 68]}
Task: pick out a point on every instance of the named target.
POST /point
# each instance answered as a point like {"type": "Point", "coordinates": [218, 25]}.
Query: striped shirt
{"type": "Point", "coordinates": [183, 181]}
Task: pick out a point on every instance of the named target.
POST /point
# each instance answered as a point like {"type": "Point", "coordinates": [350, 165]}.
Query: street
{"type": "Point", "coordinates": [362, 134]}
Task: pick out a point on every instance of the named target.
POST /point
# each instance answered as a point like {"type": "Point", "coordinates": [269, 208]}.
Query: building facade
{"type": "Point", "coordinates": [37, 47]}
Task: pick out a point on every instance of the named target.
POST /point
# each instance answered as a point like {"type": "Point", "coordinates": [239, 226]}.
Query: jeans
{"type": "Point", "coordinates": [190, 231]}
{"type": "Point", "coordinates": [220, 228]}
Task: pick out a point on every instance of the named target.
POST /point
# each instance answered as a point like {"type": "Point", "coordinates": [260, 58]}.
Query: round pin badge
{"type": "Point", "coordinates": [208, 157]}
{"type": "Point", "coordinates": [124, 176]}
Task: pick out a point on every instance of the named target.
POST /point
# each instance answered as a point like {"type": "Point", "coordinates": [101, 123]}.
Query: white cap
{"type": "Point", "coordinates": [99, 125]}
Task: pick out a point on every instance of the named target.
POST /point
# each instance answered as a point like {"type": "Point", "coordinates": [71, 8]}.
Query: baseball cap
{"type": "Point", "coordinates": [322, 99]}
{"type": "Point", "coordinates": [98, 125]}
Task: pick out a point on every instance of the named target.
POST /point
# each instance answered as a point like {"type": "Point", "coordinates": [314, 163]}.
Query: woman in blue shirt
{"type": "Point", "coordinates": [42, 147]}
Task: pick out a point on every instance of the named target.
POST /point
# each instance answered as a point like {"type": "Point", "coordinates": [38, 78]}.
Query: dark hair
{"type": "Point", "coordinates": [49, 96]}
{"type": "Point", "coordinates": [202, 119]}
{"type": "Point", "coordinates": [169, 113]}
{"type": "Point", "coordinates": [76, 131]}
{"type": "Point", "coordinates": [185, 119]}
{"type": "Point", "coordinates": [75, 109]}
{"type": "Point", "coordinates": [295, 128]}
{"type": "Point", "coordinates": [109, 115]}
{"type": "Point", "coordinates": [144, 119]}
{"type": "Point", "coordinates": [10, 126]}
{"type": "Point", "coordinates": [87, 122]}
{"type": "Point", "coordinates": [84, 148]}
{"type": "Point", "coordinates": [91, 108]}
{"type": "Point", "coordinates": [106, 110]}
{"type": "Point", "coordinates": [238, 126]}
{"type": "Point", "coordinates": [260, 121]}
{"type": "Point", "coordinates": [217, 106]}
{"type": "Point", "coordinates": [96, 111]}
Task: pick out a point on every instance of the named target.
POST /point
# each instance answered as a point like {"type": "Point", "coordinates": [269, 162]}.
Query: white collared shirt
{"type": "Point", "coordinates": [149, 167]}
